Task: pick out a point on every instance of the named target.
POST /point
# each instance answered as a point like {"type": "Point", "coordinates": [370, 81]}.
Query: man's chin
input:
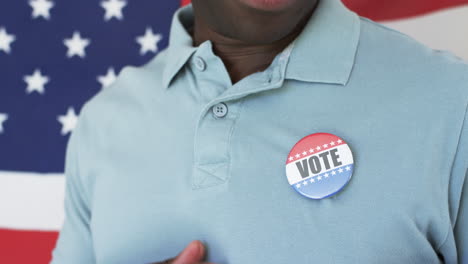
{"type": "Point", "coordinates": [269, 5]}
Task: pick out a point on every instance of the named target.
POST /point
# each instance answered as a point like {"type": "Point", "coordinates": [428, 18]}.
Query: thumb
{"type": "Point", "coordinates": [193, 253]}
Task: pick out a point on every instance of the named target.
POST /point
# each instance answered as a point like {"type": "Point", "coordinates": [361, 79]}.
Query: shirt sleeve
{"type": "Point", "coordinates": [74, 244]}
{"type": "Point", "coordinates": [456, 244]}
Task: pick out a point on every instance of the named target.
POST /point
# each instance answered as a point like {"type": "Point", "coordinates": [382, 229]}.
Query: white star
{"type": "Point", "coordinates": [319, 178]}
{"type": "Point", "coordinates": [340, 170]}
{"type": "Point", "coordinates": [113, 9]}
{"type": "Point", "coordinates": [311, 150]}
{"type": "Point", "coordinates": [312, 180]}
{"type": "Point", "coordinates": [36, 82]}
{"type": "Point", "coordinates": [348, 168]}
{"type": "Point", "coordinates": [6, 40]}
{"type": "Point", "coordinates": [305, 183]}
{"type": "Point", "coordinates": [339, 141]}
{"type": "Point", "coordinates": [108, 79]}
{"type": "Point", "coordinates": [291, 158]}
{"type": "Point", "coordinates": [325, 145]}
{"type": "Point", "coordinates": [332, 143]}
{"type": "Point", "coordinates": [3, 118]}
{"type": "Point", "coordinates": [318, 148]}
{"type": "Point", "coordinates": [298, 155]}
{"type": "Point", "coordinates": [68, 121]}
{"type": "Point", "coordinates": [41, 8]}
{"type": "Point", "coordinates": [149, 41]}
{"type": "Point", "coordinates": [76, 45]}
{"type": "Point", "coordinates": [298, 185]}
{"type": "Point", "coordinates": [326, 175]}
{"type": "Point", "coordinates": [333, 172]}
{"type": "Point", "coordinates": [304, 153]}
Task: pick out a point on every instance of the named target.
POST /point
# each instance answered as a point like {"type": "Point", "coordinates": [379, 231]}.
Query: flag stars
{"type": "Point", "coordinates": [318, 148]}
{"type": "Point", "coordinates": [312, 180]}
{"type": "Point", "coordinates": [311, 150]}
{"type": "Point", "coordinates": [348, 168]}
{"type": "Point", "coordinates": [68, 121]}
{"type": "Point", "coordinates": [291, 158]}
{"type": "Point", "coordinates": [332, 143]}
{"type": "Point", "coordinates": [333, 172]}
{"type": "Point", "coordinates": [298, 185]}
{"type": "Point", "coordinates": [41, 8]}
{"type": "Point", "coordinates": [36, 82]}
{"type": "Point", "coordinates": [298, 155]}
{"type": "Point", "coordinates": [108, 79]}
{"type": "Point", "coordinates": [76, 45]}
{"type": "Point", "coordinates": [304, 153]}
{"type": "Point", "coordinates": [325, 145]}
{"type": "Point", "coordinates": [304, 183]}
{"type": "Point", "coordinates": [340, 170]}
{"type": "Point", "coordinates": [326, 175]}
{"type": "Point", "coordinates": [6, 40]}
{"type": "Point", "coordinates": [319, 178]}
{"type": "Point", "coordinates": [339, 141]}
{"type": "Point", "coordinates": [3, 118]}
{"type": "Point", "coordinates": [149, 41]}
{"type": "Point", "coordinates": [113, 8]}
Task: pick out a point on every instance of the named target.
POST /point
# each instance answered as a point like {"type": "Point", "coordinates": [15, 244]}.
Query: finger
{"type": "Point", "coordinates": [192, 254]}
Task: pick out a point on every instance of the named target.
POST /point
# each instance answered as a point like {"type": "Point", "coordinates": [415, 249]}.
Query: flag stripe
{"type": "Point", "coordinates": [31, 201]}
{"type": "Point", "coordinates": [396, 9]}
{"type": "Point", "coordinates": [26, 246]}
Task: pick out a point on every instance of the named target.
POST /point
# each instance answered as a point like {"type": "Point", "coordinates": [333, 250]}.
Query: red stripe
{"type": "Point", "coordinates": [21, 247]}
{"type": "Point", "coordinates": [395, 9]}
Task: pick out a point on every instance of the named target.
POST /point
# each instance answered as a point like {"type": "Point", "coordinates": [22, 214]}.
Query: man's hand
{"type": "Point", "coordinates": [194, 253]}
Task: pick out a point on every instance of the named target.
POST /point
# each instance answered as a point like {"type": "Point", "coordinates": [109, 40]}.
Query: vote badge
{"type": "Point", "coordinates": [319, 165]}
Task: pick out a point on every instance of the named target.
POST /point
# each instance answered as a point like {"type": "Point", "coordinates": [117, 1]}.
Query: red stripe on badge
{"type": "Point", "coordinates": [396, 9]}
{"type": "Point", "coordinates": [21, 247]}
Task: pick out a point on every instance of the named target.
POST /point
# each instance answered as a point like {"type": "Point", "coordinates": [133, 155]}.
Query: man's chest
{"type": "Point", "coordinates": [224, 181]}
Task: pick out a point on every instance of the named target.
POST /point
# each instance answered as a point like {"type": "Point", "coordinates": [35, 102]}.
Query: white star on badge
{"type": "Point", "coordinates": [319, 178]}
{"type": "Point", "coordinates": [332, 143]}
{"type": "Point", "coordinates": [312, 180]}
{"type": "Point", "coordinates": [325, 145]}
{"type": "Point", "coordinates": [305, 183]}
{"type": "Point", "coordinates": [304, 153]}
{"type": "Point", "coordinates": [6, 40]}
{"type": "Point", "coordinates": [3, 118]}
{"type": "Point", "coordinates": [113, 9]}
{"type": "Point", "coordinates": [41, 8]}
{"type": "Point", "coordinates": [326, 175]}
{"type": "Point", "coordinates": [298, 185]}
{"type": "Point", "coordinates": [318, 148]}
{"type": "Point", "coordinates": [311, 150]}
{"type": "Point", "coordinates": [68, 121]}
{"type": "Point", "coordinates": [76, 45]}
{"type": "Point", "coordinates": [298, 156]}
{"type": "Point", "coordinates": [340, 170]}
{"type": "Point", "coordinates": [333, 172]}
{"type": "Point", "coordinates": [108, 79]}
{"type": "Point", "coordinates": [149, 41]}
{"type": "Point", "coordinates": [291, 158]}
{"type": "Point", "coordinates": [340, 141]}
{"type": "Point", "coordinates": [348, 168]}
{"type": "Point", "coordinates": [36, 82]}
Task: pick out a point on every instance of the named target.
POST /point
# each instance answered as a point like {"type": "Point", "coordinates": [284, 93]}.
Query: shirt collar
{"type": "Point", "coordinates": [323, 52]}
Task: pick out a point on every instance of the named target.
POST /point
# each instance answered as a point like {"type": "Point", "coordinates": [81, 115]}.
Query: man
{"type": "Point", "coordinates": [192, 146]}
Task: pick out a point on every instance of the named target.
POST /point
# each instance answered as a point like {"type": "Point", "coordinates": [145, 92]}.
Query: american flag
{"type": "Point", "coordinates": [55, 55]}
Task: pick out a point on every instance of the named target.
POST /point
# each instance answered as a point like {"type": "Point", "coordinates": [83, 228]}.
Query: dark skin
{"type": "Point", "coordinates": [246, 35]}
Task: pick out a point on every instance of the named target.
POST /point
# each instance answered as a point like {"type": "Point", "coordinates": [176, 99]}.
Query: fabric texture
{"type": "Point", "coordinates": [150, 167]}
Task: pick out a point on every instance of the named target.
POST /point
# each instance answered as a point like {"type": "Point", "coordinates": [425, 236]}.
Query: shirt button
{"type": "Point", "coordinates": [220, 110]}
{"type": "Point", "coordinates": [200, 63]}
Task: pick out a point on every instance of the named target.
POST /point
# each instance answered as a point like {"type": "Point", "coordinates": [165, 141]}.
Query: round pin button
{"type": "Point", "coordinates": [319, 165]}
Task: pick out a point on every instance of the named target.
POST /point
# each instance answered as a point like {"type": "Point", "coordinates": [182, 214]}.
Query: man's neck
{"type": "Point", "coordinates": [240, 58]}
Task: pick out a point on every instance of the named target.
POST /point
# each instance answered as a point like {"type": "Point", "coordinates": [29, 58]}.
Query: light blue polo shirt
{"type": "Point", "coordinates": [174, 152]}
